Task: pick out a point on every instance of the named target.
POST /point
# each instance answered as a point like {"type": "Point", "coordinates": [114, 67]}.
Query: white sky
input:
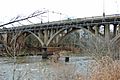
{"type": "Point", "coordinates": [73, 8]}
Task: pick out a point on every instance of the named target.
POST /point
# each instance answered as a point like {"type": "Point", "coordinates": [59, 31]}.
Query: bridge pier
{"type": "Point", "coordinates": [47, 33]}
{"type": "Point", "coordinates": [44, 53]}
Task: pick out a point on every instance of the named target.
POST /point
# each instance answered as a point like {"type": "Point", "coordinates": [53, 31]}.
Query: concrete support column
{"type": "Point", "coordinates": [45, 36]}
{"type": "Point", "coordinates": [1, 38]}
{"type": "Point", "coordinates": [107, 37]}
{"type": "Point", "coordinates": [54, 31]}
{"type": "Point", "coordinates": [107, 32]}
{"type": "Point", "coordinates": [96, 30]}
{"type": "Point", "coordinates": [119, 28]}
{"type": "Point", "coordinates": [44, 49]}
{"type": "Point", "coordinates": [91, 29]}
{"type": "Point", "coordinates": [5, 37]}
{"type": "Point", "coordinates": [51, 33]}
{"type": "Point", "coordinates": [115, 30]}
{"type": "Point", "coordinates": [57, 37]}
{"type": "Point", "coordinates": [40, 35]}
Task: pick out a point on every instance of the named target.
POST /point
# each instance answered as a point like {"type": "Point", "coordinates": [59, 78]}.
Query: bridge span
{"type": "Point", "coordinates": [53, 32]}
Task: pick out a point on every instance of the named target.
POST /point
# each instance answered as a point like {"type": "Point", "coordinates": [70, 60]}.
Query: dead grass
{"type": "Point", "coordinates": [105, 69]}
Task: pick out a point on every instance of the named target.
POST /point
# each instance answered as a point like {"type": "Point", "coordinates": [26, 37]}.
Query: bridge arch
{"type": "Point", "coordinates": [86, 30]}
{"type": "Point", "coordinates": [41, 42]}
{"type": "Point", "coordinates": [63, 37]}
{"type": "Point", "coordinates": [115, 39]}
{"type": "Point", "coordinates": [61, 30]}
{"type": "Point", "coordinates": [58, 32]}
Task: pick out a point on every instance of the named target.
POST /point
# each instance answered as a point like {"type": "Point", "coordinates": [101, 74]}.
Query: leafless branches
{"type": "Point", "coordinates": [19, 18]}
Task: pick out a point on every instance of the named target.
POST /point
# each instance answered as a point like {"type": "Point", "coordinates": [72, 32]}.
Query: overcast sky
{"type": "Point", "coordinates": [73, 8]}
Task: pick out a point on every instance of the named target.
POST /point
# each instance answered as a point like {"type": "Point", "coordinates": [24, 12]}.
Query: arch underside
{"type": "Point", "coordinates": [70, 30]}
{"type": "Point", "coordinates": [57, 33]}
{"type": "Point", "coordinates": [115, 39]}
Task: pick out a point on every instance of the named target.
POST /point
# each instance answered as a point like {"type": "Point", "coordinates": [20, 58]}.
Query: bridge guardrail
{"type": "Point", "coordinates": [64, 22]}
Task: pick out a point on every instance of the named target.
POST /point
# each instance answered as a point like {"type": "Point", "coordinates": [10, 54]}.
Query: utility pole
{"type": "Point", "coordinates": [48, 15]}
{"type": "Point", "coordinates": [103, 8]}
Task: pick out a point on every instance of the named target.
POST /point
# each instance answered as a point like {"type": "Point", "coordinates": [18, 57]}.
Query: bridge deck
{"type": "Point", "coordinates": [88, 21]}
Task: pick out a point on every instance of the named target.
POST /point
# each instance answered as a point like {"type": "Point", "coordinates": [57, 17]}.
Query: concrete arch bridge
{"type": "Point", "coordinates": [53, 32]}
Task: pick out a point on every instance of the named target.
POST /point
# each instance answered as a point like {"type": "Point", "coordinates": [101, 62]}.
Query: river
{"type": "Point", "coordinates": [34, 68]}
